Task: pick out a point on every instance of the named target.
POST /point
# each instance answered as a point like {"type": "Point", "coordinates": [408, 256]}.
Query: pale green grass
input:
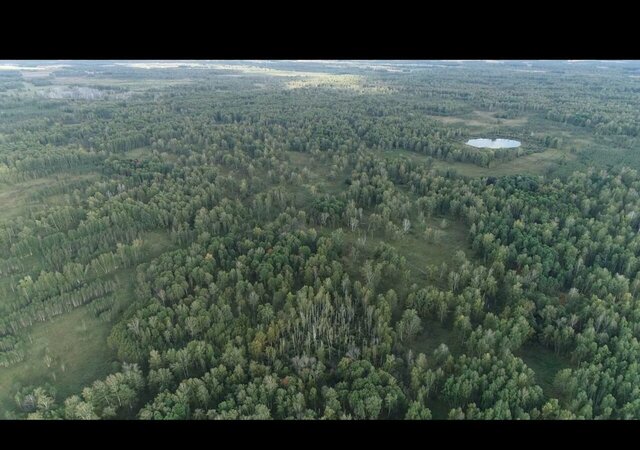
{"type": "Point", "coordinates": [14, 197]}
{"type": "Point", "coordinates": [532, 164]}
{"type": "Point", "coordinates": [77, 340]}
{"type": "Point", "coordinates": [77, 343]}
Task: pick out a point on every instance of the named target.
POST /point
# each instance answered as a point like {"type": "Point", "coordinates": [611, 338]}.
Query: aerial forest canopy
{"type": "Point", "coordinates": [279, 240]}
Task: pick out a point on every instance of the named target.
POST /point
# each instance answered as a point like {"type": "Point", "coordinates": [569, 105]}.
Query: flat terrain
{"type": "Point", "coordinates": [187, 124]}
{"type": "Point", "coordinates": [533, 164]}
{"type": "Point", "coordinates": [546, 364]}
{"type": "Point", "coordinates": [433, 335]}
{"type": "Point", "coordinates": [70, 351]}
{"type": "Point", "coordinates": [76, 342]}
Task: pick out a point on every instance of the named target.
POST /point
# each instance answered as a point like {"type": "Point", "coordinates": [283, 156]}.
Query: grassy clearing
{"type": "Point", "coordinates": [439, 409]}
{"type": "Point", "coordinates": [419, 252]}
{"type": "Point", "coordinates": [433, 335]}
{"type": "Point", "coordinates": [157, 243]}
{"type": "Point", "coordinates": [546, 364]}
{"type": "Point", "coordinates": [318, 170]}
{"type": "Point", "coordinates": [533, 164]}
{"type": "Point", "coordinates": [481, 119]}
{"type": "Point", "coordinates": [489, 118]}
{"type": "Point", "coordinates": [577, 144]}
{"type": "Point", "coordinates": [15, 201]}
{"type": "Point", "coordinates": [133, 85]}
{"type": "Point", "coordinates": [318, 180]}
{"type": "Point", "coordinates": [138, 152]}
{"type": "Point", "coordinates": [334, 81]}
{"type": "Point", "coordinates": [77, 344]}
{"type": "Point", "coordinates": [143, 153]}
{"type": "Point", "coordinates": [13, 197]}
{"type": "Point", "coordinates": [76, 341]}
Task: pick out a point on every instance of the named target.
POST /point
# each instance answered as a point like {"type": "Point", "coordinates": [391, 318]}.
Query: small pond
{"type": "Point", "coordinates": [493, 143]}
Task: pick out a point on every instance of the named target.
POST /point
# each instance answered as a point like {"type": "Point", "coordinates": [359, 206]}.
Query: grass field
{"type": "Point", "coordinates": [413, 245]}
{"type": "Point", "coordinates": [532, 164]}
{"type": "Point", "coordinates": [77, 344]}
{"type": "Point", "coordinates": [76, 341]}
{"type": "Point", "coordinates": [69, 351]}
{"type": "Point", "coordinates": [132, 85]}
{"type": "Point", "coordinates": [147, 152]}
{"type": "Point", "coordinates": [419, 252]}
{"type": "Point", "coordinates": [139, 152]}
{"type": "Point", "coordinates": [318, 174]}
{"type": "Point", "coordinates": [480, 119]}
{"type": "Point", "coordinates": [545, 363]}
{"type": "Point", "coordinates": [14, 198]}
{"type": "Point", "coordinates": [579, 148]}
{"type": "Point", "coordinates": [432, 336]}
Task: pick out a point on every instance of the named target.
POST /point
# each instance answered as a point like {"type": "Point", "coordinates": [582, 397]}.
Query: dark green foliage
{"type": "Point", "coordinates": [284, 289]}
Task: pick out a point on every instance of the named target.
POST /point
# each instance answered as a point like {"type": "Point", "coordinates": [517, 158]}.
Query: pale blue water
{"type": "Point", "coordinates": [495, 143]}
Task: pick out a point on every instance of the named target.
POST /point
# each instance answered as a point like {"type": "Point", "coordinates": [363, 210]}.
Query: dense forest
{"type": "Point", "coordinates": [276, 240]}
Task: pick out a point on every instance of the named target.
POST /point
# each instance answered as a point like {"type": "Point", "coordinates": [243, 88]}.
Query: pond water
{"type": "Point", "coordinates": [493, 143]}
